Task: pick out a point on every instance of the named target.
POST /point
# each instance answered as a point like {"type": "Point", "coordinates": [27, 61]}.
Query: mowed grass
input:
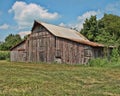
{"type": "Point", "coordinates": [27, 79]}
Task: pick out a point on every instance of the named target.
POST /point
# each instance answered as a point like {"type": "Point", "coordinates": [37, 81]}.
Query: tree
{"type": "Point", "coordinates": [105, 31]}
{"type": "Point", "coordinates": [109, 29]}
{"type": "Point", "coordinates": [90, 28]}
{"type": "Point", "coordinates": [10, 41]}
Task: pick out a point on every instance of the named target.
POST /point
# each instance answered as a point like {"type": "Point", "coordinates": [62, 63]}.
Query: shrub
{"type": "Point", "coordinates": [4, 55]}
{"type": "Point", "coordinates": [115, 55]}
{"type": "Point", "coordinates": [98, 62]}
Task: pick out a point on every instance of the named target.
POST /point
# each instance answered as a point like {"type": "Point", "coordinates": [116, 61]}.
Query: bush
{"type": "Point", "coordinates": [115, 55]}
{"type": "Point", "coordinates": [4, 55]}
{"type": "Point", "coordinates": [98, 62]}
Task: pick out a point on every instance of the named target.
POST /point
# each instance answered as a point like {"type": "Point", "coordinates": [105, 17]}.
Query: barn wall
{"type": "Point", "coordinates": [13, 55]}
{"type": "Point", "coordinates": [71, 52]}
{"type": "Point", "coordinates": [19, 53]}
{"type": "Point", "coordinates": [41, 45]}
{"type": "Point", "coordinates": [45, 47]}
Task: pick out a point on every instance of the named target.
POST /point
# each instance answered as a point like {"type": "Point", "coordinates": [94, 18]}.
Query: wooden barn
{"type": "Point", "coordinates": [51, 43]}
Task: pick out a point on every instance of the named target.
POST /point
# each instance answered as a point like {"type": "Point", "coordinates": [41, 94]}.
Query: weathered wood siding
{"type": "Point", "coordinates": [72, 52]}
{"type": "Point", "coordinates": [41, 45]}
{"type": "Point", "coordinates": [19, 53]}
{"type": "Point", "coordinates": [45, 47]}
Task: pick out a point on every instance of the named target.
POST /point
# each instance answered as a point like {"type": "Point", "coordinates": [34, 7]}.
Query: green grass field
{"type": "Point", "coordinates": [24, 79]}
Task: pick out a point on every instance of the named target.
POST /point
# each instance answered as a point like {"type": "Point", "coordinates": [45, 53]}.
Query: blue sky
{"type": "Point", "coordinates": [17, 16]}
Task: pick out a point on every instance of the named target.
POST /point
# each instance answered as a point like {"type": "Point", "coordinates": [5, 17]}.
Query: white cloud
{"type": "Point", "coordinates": [4, 26]}
{"type": "Point", "coordinates": [62, 24]}
{"type": "Point", "coordinates": [71, 26]}
{"type": "Point", "coordinates": [78, 25]}
{"type": "Point", "coordinates": [114, 8]}
{"type": "Point", "coordinates": [24, 33]}
{"type": "Point", "coordinates": [25, 14]}
{"type": "Point", "coordinates": [82, 18]}
{"type": "Point", "coordinates": [87, 15]}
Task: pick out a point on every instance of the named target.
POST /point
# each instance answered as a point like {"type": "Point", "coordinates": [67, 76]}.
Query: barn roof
{"type": "Point", "coordinates": [67, 33]}
{"type": "Point", "coordinates": [17, 45]}
{"type": "Point", "coordinates": [63, 32]}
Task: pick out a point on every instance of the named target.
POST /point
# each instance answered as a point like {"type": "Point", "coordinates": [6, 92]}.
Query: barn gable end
{"type": "Point", "coordinates": [41, 45]}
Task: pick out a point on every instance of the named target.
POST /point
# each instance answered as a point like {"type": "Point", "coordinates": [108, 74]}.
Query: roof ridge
{"type": "Point", "coordinates": [55, 25]}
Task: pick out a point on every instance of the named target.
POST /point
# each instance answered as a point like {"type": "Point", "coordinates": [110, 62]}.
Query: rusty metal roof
{"type": "Point", "coordinates": [68, 34]}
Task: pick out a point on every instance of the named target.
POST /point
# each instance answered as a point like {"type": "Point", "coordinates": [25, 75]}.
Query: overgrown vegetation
{"type": "Point", "coordinates": [114, 60]}
{"type": "Point", "coordinates": [25, 79]}
{"type": "Point", "coordinates": [100, 62]}
{"type": "Point", "coordinates": [4, 55]}
{"type": "Point", "coordinates": [105, 30]}
{"type": "Point", "coordinates": [10, 41]}
{"type": "Point", "coordinates": [115, 55]}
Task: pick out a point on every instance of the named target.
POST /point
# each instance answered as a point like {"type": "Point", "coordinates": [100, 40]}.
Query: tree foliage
{"type": "Point", "coordinates": [10, 41]}
{"type": "Point", "coordinates": [90, 29]}
{"type": "Point", "coordinates": [112, 29]}
{"type": "Point", "coordinates": [106, 30]}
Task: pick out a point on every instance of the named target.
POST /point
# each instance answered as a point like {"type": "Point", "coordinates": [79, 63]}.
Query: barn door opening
{"type": "Point", "coordinates": [87, 55]}
{"type": "Point", "coordinates": [58, 56]}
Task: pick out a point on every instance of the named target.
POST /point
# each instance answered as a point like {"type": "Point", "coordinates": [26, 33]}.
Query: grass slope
{"type": "Point", "coordinates": [24, 79]}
